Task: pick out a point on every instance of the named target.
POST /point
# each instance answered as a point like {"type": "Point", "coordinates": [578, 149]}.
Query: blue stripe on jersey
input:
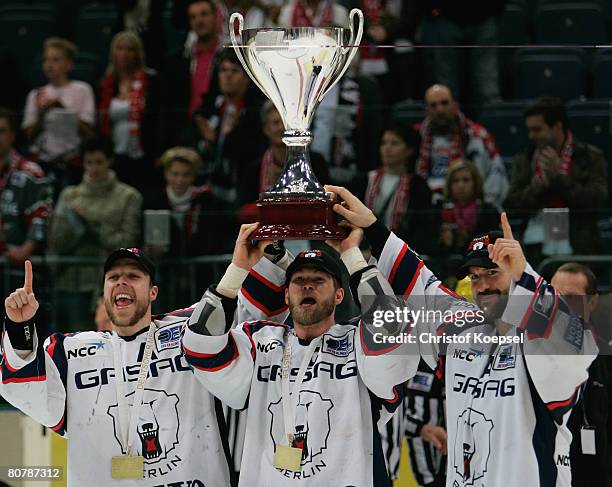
{"type": "Point", "coordinates": [543, 439]}
{"type": "Point", "coordinates": [380, 476]}
{"type": "Point", "coordinates": [405, 271]}
{"type": "Point", "coordinates": [263, 294]}
{"type": "Point", "coordinates": [210, 362]}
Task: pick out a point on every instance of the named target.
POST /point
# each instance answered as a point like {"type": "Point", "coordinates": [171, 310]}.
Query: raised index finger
{"type": "Point", "coordinates": [27, 282]}
{"type": "Point", "coordinates": [506, 226]}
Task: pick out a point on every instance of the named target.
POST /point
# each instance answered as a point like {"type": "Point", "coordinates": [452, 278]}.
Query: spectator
{"type": "Point", "coordinates": [90, 220]}
{"type": "Point", "coordinates": [397, 196]}
{"type": "Point", "coordinates": [58, 115]}
{"type": "Point", "coordinates": [450, 23]}
{"type": "Point", "coordinates": [447, 135]}
{"type": "Point", "coordinates": [263, 173]}
{"type": "Point", "coordinates": [557, 171]}
{"type": "Point", "coordinates": [579, 285]}
{"type": "Point", "coordinates": [463, 212]}
{"type": "Point", "coordinates": [229, 127]}
{"type": "Point", "coordinates": [25, 200]}
{"type": "Point", "coordinates": [129, 111]}
{"type": "Point", "coordinates": [313, 13]}
{"type": "Point", "coordinates": [342, 125]}
{"type": "Point", "coordinates": [195, 210]}
{"type": "Point", "coordinates": [188, 73]}
{"type": "Point", "coordinates": [145, 18]}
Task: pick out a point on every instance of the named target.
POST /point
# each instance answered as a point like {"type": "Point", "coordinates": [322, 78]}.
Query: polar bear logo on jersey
{"type": "Point", "coordinates": [158, 425]}
{"type": "Point", "coordinates": [312, 424]}
{"type": "Point", "coordinates": [472, 445]}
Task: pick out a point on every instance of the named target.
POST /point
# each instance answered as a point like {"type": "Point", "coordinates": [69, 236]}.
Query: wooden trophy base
{"type": "Point", "coordinates": [298, 218]}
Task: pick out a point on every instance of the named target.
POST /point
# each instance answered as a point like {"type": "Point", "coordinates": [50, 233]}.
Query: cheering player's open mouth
{"type": "Point", "coordinates": [123, 301]}
{"type": "Point", "coordinates": [308, 302]}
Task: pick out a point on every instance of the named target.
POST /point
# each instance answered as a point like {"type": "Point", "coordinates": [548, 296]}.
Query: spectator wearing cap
{"type": "Point", "coordinates": [397, 195]}
{"type": "Point", "coordinates": [58, 115]}
{"type": "Point", "coordinates": [447, 135]}
{"type": "Point", "coordinates": [91, 219]}
{"type": "Point", "coordinates": [229, 127]}
{"type": "Point", "coordinates": [130, 111]}
{"type": "Point", "coordinates": [557, 171]}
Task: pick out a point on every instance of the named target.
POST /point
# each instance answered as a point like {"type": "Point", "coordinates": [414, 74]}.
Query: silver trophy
{"type": "Point", "coordinates": [295, 68]}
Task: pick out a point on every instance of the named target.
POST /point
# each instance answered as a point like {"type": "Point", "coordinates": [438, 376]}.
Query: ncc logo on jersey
{"type": "Point", "coordinates": [268, 347]}
{"type": "Point", "coordinates": [87, 350]}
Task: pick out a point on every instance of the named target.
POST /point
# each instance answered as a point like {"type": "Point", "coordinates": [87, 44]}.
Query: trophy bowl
{"type": "Point", "coordinates": [295, 68]}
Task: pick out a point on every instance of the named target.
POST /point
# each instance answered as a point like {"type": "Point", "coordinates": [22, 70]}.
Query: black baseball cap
{"type": "Point", "coordinates": [477, 253]}
{"type": "Point", "coordinates": [317, 259]}
{"type": "Point", "coordinates": [142, 261]}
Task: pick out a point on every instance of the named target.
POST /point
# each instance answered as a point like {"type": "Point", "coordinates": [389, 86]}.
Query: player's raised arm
{"type": "Point", "coordinates": [21, 304]}
{"type": "Point", "coordinates": [222, 358]}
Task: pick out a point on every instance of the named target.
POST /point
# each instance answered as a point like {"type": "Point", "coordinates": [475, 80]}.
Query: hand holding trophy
{"type": "Point", "coordinates": [295, 68]}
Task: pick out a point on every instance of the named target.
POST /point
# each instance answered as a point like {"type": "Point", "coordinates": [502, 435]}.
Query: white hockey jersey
{"type": "Point", "coordinates": [68, 385]}
{"type": "Point", "coordinates": [507, 405]}
{"type": "Point", "coordinates": [345, 392]}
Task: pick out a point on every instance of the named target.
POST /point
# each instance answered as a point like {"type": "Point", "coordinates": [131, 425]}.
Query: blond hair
{"type": "Point", "coordinates": [184, 155]}
{"type": "Point", "coordinates": [68, 47]}
{"type": "Point", "coordinates": [134, 41]}
{"type": "Point", "coordinates": [459, 165]}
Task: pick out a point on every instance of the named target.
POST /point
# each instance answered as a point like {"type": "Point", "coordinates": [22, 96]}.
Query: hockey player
{"type": "Point", "coordinates": [155, 426]}
{"type": "Point", "coordinates": [507, 403]}
{"type": "Point", "coordinates": [315, 393]}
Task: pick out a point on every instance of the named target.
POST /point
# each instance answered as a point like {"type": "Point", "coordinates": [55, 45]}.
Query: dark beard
{"type": "Point", "coordinates": [139, 312]}
{"type": "Point", "coordinates": [497, 310]}
{"type": "Point", "coordinates": [320, 312]}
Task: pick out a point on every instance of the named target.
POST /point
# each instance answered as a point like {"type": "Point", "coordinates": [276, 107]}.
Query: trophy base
{"type": "Point", "coordinates": [298, 218]}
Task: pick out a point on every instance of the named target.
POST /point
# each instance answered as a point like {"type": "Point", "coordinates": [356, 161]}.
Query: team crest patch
{"type": "Point", "coordinates": [168, 337]}
{"type": "Point", "coordinates": [545, 302]}
{"type": "Point", "coordinates": [338, 346]}
{"type": "Point", "coordinates": [505, 358]}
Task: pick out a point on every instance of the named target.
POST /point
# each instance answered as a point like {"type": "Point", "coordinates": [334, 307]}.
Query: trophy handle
{"type": "Point", "coordinates": [236, 44]}
{"type": "Point", "coordinates": [354, 42]}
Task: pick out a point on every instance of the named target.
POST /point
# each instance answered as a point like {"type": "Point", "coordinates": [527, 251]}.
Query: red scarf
{"type": "Point", "coordinates": [268, 163]}
{"type": "Point", "coordinates": [137, 104]}
{"type": "Point", "coordinates": [465, 217]}
{"type": "Point", "coordinates": [398, 203]}
{"type": "Point", "coordinates": [300, 17]}
{"type": "Point", "coordinates": [459, 143]}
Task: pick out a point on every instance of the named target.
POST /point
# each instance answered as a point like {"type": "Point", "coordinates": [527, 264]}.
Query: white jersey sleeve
{"type": "Point", "coordinates": [559, 348]}
{"type": "Point", "coordinates": [35, 381]}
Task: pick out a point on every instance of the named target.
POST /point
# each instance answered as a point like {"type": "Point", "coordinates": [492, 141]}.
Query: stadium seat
{"type": "Point", "coordinates": [505, 121]}
{"type": "Point", "coordinates": [549, 73]}
{"type": "Point", "coordinates": [410, 112]}
{"type": "Point", "coordinates": [26, 8]}
{"type": "Point", "coordinates": [601, 71]}
{"type": "Point", "coordinates": [590, 122]}
{"type": "Point", "coordinates": [24, 35]}
{"type": "Point", "coordinates": [95, 29]}
{"type": "Point", "coordinates": [570, 23]}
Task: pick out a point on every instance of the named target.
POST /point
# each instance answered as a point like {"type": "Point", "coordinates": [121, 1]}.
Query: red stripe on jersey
{"type": "Point", "coordinates": [261, 306]}
{"type": "Point", "coordinates": [397, 262]}
{"type": "Point", "coordinates": [38, 378]}
{"type": "Point", "coordinates": [414, 279]}
{"type": "Point", "coordinates": [265, 281]}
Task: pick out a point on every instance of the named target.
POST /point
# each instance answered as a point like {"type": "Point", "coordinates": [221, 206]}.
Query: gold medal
{"type": "Point", "coordinates": [127, 467]}
{"type": "Point", "coordinates": [288, 458]}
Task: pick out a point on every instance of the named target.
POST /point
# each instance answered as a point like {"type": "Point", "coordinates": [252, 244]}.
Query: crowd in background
{"type": "Point", "coordinates": [186, 130]}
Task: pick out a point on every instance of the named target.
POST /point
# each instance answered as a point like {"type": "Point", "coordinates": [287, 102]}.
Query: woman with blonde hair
{"type": "Point", "coordinates": [464, 213]}
{"type": "Point", "coordinates": [130, 110]}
